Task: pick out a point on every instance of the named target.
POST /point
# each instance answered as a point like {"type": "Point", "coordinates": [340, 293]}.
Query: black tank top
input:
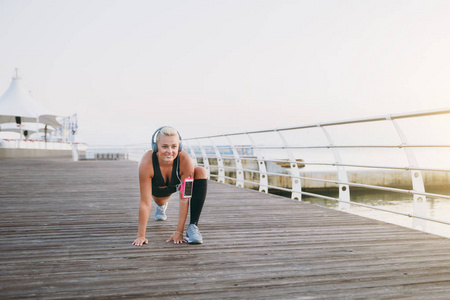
{"type": "Point", "coordinates": [161, 188]}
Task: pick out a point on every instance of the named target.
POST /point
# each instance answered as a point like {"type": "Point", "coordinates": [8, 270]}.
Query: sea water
{"type": "Point", "coordinates": [437, 208]}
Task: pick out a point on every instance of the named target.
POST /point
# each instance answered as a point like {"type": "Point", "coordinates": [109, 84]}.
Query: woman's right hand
{"type": "Point", "coordinates": [140, 241]}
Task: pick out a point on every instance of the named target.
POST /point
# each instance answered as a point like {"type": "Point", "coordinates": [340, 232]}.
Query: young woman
{"type": "Point", "coordinates": [161, 172]}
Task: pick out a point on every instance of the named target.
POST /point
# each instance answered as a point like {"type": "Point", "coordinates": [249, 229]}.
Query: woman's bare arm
{"type": "Point", "coordinates": [186, 170]}
{"type": "Point", "coordinates": [145, 184]}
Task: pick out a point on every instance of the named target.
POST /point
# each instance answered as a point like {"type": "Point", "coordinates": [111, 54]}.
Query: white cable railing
{"type": "Point", "coordinates": [136, 151]}
{"type": "Point", "coordinates": [405, 152]}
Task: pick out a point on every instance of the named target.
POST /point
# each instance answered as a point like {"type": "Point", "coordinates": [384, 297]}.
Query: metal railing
{"type": "Point", "coordinates": [309, 159]}
{"type": "Point", "coordinates": [136, 151]}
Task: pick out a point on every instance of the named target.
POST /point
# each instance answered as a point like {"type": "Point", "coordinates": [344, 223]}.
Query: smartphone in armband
{"type": "Point", "coordinates": [187, 187]}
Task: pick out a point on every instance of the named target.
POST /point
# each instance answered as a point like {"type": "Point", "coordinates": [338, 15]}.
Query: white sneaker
{"type": "Point", "coordinates": [193, 235]}
{"type": "Point", "coordinates": [160, 213]}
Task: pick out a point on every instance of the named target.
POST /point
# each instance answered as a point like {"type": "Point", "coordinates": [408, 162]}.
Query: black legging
{"type": "Point", "coordinates": [198, 199]}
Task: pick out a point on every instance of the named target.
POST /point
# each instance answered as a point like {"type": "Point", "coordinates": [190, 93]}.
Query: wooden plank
{"type": "Point", "coordinates": [67, 227]}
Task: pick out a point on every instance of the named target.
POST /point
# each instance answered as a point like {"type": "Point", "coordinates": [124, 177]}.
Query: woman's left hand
{"type": "Point", "coordinates": [177, 238]}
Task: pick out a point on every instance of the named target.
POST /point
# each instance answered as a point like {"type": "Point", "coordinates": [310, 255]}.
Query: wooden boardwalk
{"type": "Point", "coordinates": [67, 228]}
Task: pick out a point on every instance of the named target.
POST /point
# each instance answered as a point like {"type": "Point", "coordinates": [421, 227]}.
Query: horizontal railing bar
{"type": "Point", "coordinates": [259, 172]}
{"type": "Point", "coordinates": [333, 123]}
{"type": "Point", "coordinates": [349, 165]}
{"type": "Point", "coordinates": [245, 181]}
{"type": "Point", "coordinates": [337, 182]}
{"type": "Point", "coordinates": [351, 146]}
{"type": "Point", "coordinates": [391, 168]}
{"type": "Point", "coordinates": [376, 187]}
{"type": "Point", "coordinates": [323, 147]}
{"type": "Point", "coordinates": [412, 192]}
{"type": "Point", "coordinates": [378, 208]}
{"type": "Point", "coordinates": [336, 146]}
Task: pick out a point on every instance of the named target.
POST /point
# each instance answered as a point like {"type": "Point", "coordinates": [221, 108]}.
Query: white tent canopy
{"type": "Point", "coordinates": [17, 102]}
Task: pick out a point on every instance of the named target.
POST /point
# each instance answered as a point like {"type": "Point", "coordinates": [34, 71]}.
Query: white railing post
{"type": "Point", "coordinates": [220, 165]}
{"type": "Point", "coordinates": [205, 160]}
{"type": "Point", "coordinates": [344, 189]}
{"type": "Point", "coordinates": [420, 201]}
{"type": "Point", "coordinates": [192, 152]}
{"type": "Point", "coordinates": [263, 180]}
{"type": "Point", "coordinates": [296, 193]}
{"type": "Point", "coordinates": [238, 162]}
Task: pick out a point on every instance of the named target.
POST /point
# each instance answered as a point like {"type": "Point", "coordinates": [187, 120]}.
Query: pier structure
{"type": "Point", "coordinates": [21, 114]}
{"type": "Point", "coordinates": [67, 228]}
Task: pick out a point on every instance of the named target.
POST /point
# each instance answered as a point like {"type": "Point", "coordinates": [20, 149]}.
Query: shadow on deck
{"type": "Point", "coordinates": [67, 228]}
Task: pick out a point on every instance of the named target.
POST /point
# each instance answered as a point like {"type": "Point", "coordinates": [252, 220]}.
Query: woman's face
{"type": "Point", "coordinates": [168, 147]}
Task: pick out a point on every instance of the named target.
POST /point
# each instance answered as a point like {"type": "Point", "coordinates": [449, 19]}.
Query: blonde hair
{"type": "Point", "coordinates": [167, 131]}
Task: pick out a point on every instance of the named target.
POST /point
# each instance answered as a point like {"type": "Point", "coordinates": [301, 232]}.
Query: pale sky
{"type": "Point", "coordinates": [206, 67]}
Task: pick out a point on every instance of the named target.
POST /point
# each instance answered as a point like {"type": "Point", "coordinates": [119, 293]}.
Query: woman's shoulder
{"type": "Point", "coordinates": [184, 155]}
{"type": "Point", "coordinates": [147, 160]}
{"type": "Point", "coordinates": [185, 159]}
{"type": "Point", "coordinates": [147, 156]}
